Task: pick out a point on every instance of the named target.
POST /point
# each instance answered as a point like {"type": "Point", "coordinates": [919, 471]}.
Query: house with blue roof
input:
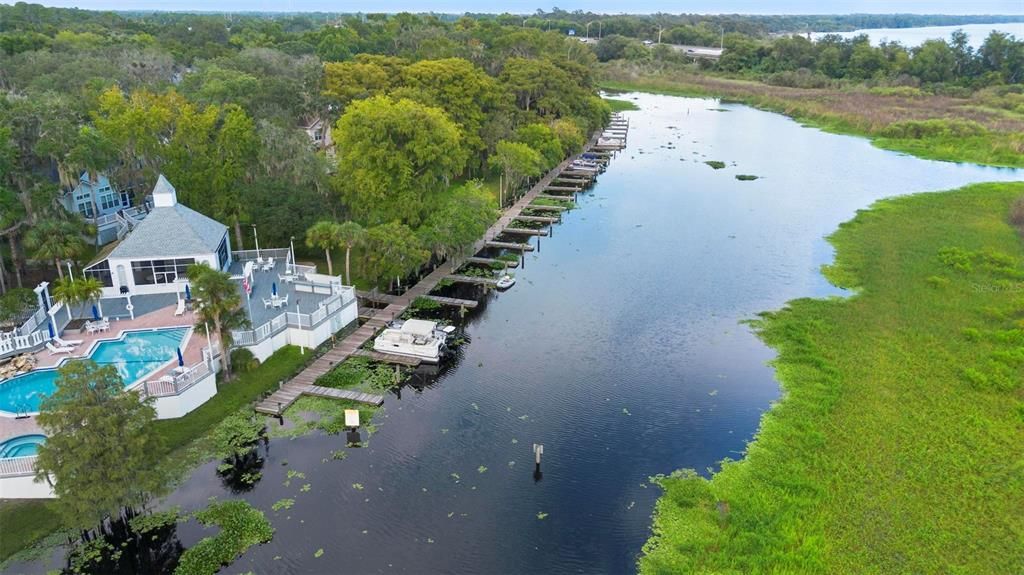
{"type": "Point", "coordinates": [100, 203]}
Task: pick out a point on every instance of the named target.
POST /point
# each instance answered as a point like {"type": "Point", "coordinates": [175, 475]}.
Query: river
{"type": "Point", "coordinates": [620, 349]}
{"type": "Point", "coordinates": [911, 37]}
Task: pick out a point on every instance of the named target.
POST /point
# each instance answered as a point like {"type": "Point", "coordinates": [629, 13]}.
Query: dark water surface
{"type": "Point", "coordinates": [620, 349]}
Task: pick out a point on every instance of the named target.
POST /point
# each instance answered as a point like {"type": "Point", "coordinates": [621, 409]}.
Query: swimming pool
{"type": "Point", "coordinates": [134, 354]}
{"type": "Point", "coordinates": [21, 446]}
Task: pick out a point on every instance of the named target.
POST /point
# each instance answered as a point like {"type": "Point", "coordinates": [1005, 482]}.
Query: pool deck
{"type": "Point", "coordinates": [161, 318]}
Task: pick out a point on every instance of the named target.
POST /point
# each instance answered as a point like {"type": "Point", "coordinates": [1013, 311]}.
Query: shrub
{"type": "Point", "coordinates": [242, 360]}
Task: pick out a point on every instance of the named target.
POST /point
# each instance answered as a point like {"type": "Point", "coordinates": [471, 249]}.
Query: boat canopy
{"type": "Point", "coordinates": [418, 327]}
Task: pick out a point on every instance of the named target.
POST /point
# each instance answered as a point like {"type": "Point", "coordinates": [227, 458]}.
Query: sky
{"type": "Point", "coordinates": [529, 6]}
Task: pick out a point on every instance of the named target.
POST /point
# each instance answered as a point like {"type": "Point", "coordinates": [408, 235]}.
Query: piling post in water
{"type": "Point", "coordinates": [538, 450]}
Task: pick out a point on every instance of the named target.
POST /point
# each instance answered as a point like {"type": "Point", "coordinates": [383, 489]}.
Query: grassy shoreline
{"type": "Point", "coordinates": [929, 127]}
{"type": "Point", "coordinates": [897, 446]}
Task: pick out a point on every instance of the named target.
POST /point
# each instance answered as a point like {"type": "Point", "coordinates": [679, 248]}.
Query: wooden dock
{"type": "Point", "coordinates": [541, 219]}
{"type": "Point", "coordinates": [553, 197]}
{"type": "Point", "coordinates": [525, 231]}
{"type": "Point", "coordinates": [330, 392]}
{"type": "Point", "coordinates": [492, 261]}
{"type": "Point", "coordinates": [472, 280]}
{"type": "Point", "coordinates": [387, 357]}
{"type": "Point", "coordinates": [563, 189]}
{"type": "Point", "coordinates": [277, 402]}
{"type": "Point", "coordinates": [541, 208]}
{"type": "Point", "coordinates": [581, 173]}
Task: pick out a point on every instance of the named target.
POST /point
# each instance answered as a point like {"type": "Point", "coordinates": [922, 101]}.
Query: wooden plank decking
{"type": "Point", "coordinates": [525, 231]}
{"type": "Point", "coordinates": [319, 391]}
{"type": "Point", "coordinates": [542, 219]}
{"type": "Point", "coordinates": [509, 246]}
{"type": "Point", "coordinates": [491, 261]}
{"type": "Point", "coordinates": [387, 357]}
{"type": "Point", "coordinates": [472, 280]}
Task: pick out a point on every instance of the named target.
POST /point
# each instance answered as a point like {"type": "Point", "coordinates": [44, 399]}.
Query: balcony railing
{"type": "Point", "coordinates": [343, 297]}
{"type": "Point", "coordinates": [178, 384]}
{"type": "Point", "coordinates": [18, 466]}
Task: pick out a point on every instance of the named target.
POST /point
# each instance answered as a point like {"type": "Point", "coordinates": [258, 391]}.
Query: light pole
{"type": "Point", "coordinates": [292, 244]}
{"type": "Point", "coordinates": [257, 238]}
{"type": "Point", "coordinates": [588, 28]}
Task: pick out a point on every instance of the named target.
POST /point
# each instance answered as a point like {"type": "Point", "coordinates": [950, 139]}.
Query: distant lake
{"type": "Point", "coordinates": [916, 36]}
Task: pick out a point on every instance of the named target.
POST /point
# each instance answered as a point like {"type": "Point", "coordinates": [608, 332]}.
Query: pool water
{"type": "Point", "coordinates": [134, 354]}
{"type": "Point", "coordinates": [21, 446]}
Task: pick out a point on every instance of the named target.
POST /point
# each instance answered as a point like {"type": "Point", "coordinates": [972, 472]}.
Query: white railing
{"type": "Point", "coordinates": [20, 342]}
{"type": "Point", "coordinates": [33, 322]}
{"type": "Point", "coordinates": [250, 255]}
{"type": "Point", "coordinates": [178, 384]}
{"type": "Point", "coordinates": [18, 466]}
{"type": "Point", "coordinates": [343, 297]}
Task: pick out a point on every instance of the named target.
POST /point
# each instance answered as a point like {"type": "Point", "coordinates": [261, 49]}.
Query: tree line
{"type": "Point", "coordinates": [428, 116]}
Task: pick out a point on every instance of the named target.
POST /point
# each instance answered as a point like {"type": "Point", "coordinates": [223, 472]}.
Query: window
{"type": "Point", "coordinates": [222, 252]}
{"type": "Point", "coordinates": [149, 272]}
{"type": "Point", "coordinates": [100, 271]}
{"type": "Point", "coordinates": [85, 208]}
{"type": "Point", "coordinates": [109, 201]}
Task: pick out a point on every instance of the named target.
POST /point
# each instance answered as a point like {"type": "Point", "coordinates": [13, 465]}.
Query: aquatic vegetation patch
{"type": "Point", "coordinates": [715, 164]}
{"type": "Point", "coordinates": [746, 177]}
{"type": "Point", "coordinates": [617, 105]}
{"type": "Point", "coordinates": [241, 526]}
{"type": "Point", "coordinates": [902, 407]}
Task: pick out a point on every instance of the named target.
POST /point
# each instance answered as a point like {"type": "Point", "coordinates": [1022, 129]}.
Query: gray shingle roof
{"type": "Point", "coordinates": [170, 232]}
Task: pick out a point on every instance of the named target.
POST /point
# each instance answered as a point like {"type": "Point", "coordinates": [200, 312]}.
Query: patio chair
{"type": "Point", "coordinates": [56, 350]}
{"type": "Point", "coordinates": [268, 303]}
{"type": "Point", "coordinates": [284, 300]}
{"type": "Point", "coordinates": [268, 265]}
{"type": "Point", "coordinates": [67, 342]}
{"type": "Point", "coordinates": [104, 324]}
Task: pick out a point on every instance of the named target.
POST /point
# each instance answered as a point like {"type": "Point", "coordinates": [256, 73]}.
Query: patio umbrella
{"type": "Point", "coordinates": [181, 360]}
{"type": "Point", "coordinates": [273, 289]}
{"type": "Point", "coordinates": [49, 327]}
{"type": "Point", "coordinates": [95, 312]}
{"type": "Point", "coordinates": [188, 293]}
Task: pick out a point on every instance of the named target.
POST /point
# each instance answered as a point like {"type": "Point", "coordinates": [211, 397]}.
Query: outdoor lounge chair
{"type": "Point", "coordinates": [181, 307]}
{"type": "Point", "coordinates": [56, 350]}
{"type": "Point", "coordinates": [67, 342]}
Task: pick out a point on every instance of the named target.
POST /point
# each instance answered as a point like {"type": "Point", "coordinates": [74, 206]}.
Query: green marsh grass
{"type": "Point", "coordinates": [899, 444]}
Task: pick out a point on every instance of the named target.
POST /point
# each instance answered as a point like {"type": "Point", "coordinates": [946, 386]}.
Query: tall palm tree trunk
{"type": "Point", "coordinates": [238, 234]}
{"type": "Point", "coordinates": [348, 270]}
{"type": "Point", "coordinates": [60, 270]}
{"type": "Point", "coordinates": [14, 259]}
{"type": "Point", "coordinates": [330, 266]}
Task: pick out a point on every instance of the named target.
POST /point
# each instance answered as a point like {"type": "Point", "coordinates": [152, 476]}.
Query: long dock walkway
{"type": "Point", "coordinates": [304, 382]}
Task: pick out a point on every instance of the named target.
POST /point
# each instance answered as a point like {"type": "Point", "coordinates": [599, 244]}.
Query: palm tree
{"type": "Point", "coordinates": [76, 292]}
{"type": "Point", "coordinates": [57, 240]}
{"type": "Point", "coordinates": [325, 235]}
{"type": "Point", "coordinates": [351, 235]}
{"type": "Point", "coordinates": [218, 303]}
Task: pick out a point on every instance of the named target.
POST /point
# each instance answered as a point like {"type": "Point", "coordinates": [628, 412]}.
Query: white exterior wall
{"type": "Point", "coordinates": [305, 338]}
{"type": "Point", "coordinates": [24, 487]}
{"type": "Point", "coordinates": [178, 405]}
{"type": "Point", "coordinates": [115, 290]}
{"type": "Point", "coordinates": [267, 347]}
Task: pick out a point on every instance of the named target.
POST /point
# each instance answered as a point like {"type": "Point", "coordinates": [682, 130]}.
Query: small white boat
{"type": "Point", "coordinates": [506, 281]}
{"type": "Point", "coordinates": [418, 338]}
{"type": "Point", "coordinates": [608, 142]}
